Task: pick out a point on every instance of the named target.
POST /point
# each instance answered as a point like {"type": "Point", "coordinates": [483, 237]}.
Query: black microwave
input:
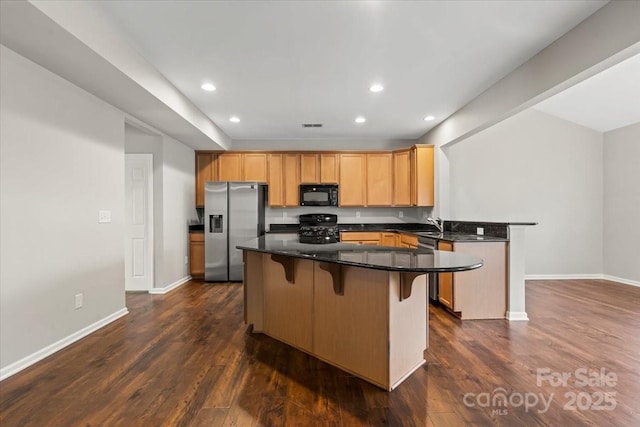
{"type": "Point", "coordinates": [318, 194]}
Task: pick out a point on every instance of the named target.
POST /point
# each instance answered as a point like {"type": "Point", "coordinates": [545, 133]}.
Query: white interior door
{"type": "Point", "coordinates": [138, 259]}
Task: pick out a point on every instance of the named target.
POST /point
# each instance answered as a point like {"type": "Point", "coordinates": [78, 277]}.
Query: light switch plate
{"type": "Point", "coordinates": [104, 216]}
{"type": "Point", "coordinates": [480, 231]}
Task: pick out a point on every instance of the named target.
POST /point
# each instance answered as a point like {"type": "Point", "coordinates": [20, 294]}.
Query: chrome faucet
{"type": "Point", "coordinates": [436, 222]}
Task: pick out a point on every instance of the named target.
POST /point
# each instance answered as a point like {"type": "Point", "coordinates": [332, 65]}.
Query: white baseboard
{"type": "Point", "coordinates": [172, 286]}
{"type": "Point", "coordinates": [29, 360]}
{"type": "Point", "coordinates": [581, 276]}
{"type": "Point", "coordinates": [562, 276]}
{"type": "Point", "coordinates": [621, 280]}
{"type": "Point", "coordinates": [517, 316]}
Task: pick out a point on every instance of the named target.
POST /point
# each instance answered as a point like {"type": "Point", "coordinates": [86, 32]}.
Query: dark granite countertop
{"type": "Point", "coordinates": [461, 237]}
{"type": "Point", "coordinates": [375, 257]}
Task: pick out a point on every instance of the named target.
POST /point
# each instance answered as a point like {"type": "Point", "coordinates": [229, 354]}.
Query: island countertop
{"type": "Point", "coordinates": [374, 257]}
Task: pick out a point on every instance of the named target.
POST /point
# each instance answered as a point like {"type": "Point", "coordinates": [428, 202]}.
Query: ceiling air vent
{"type": "Point", "coordinates": [312, 125]}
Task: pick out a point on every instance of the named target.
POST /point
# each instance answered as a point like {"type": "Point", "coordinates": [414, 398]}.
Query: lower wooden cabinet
{"type": "Point", "coordinates": [196, 255]}
{"type": "Point", "coordinates": [445, 280]}
{"type": "Point", "coordinates": [361, 237]}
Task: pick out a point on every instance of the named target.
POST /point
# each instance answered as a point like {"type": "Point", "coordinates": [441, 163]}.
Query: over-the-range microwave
{"type": "Point", "coordinates": [318, 194]}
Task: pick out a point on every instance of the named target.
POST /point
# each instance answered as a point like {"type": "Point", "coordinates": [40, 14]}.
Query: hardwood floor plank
{"type": "Point", "coordinates": [187, 359]}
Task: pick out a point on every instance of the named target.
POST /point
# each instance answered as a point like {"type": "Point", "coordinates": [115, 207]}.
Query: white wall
{"type": "Point", "coordinates": [62, 160]}
{"type": "Point", "coordinates": [622, 203]}
{"type": "Point", "coordinates": [535, 167]}
{"type": "Point", "coordinates": [179, 200]}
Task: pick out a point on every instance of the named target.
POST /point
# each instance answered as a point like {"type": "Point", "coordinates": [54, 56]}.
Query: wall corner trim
{"type": "Point", "coordinates": [172, 286]}
{"type": "Point", "coordinates": [513, 316]}
{"type": "Point", "coordinates": [37, 356]}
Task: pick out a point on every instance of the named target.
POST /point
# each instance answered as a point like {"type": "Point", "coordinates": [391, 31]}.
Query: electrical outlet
{"type": "Point", "coordinates": [104, 216]}
{"type": "Point", "coordinates": [186, 259]}
{"type": "Point", "coordinates": [400, 214]}
{"type": "Point", "coordinates": [357, 214]}
{"type": "Point", "coordinates": [78, 301]}
{"type": "Point", "coordinates": [480, 231]}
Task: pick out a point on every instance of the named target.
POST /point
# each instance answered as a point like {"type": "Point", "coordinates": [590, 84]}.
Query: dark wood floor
{"type": "Point", "coordinates": [186, 359]}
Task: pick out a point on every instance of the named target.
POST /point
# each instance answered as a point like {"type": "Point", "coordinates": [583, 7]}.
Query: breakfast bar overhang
{"type": "Point", "coordinates": [360, 308]}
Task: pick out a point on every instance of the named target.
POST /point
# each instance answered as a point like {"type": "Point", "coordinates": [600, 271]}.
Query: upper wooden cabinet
{"type": "Point", "coordinates": [422, 175]}
{"type": "Point", "coordinates": [254, 167]}
{"type": "Point", "coordinates": [352, 183]}
{"type": "Point", "coordinates": [275, 180]}
{"type": "Point", "coordinates": [379, 179]}
{"type": "Point", "coordinates": [329, 168]}
{"type": "Point", "coordinates": [230, 167]}
{"type": "Point", "coordinates": [402, 178]}
{"type": "Point", "coordinates": [399, 178]}
{"type": "Point", "coordinates": [284, 170]}
{"type": "Point", "coordinates": [291, 179]}
{"type": "Point", "coordinates": [309, 168]}
{"type": "Point", "coordinates": [205, 171]}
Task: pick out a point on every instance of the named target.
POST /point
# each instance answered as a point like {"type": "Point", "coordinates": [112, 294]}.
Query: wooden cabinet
{"type": "Point", "coordinates": [389, 239]}
{"type": "Point", "coordinates": [408, 241]}
{"type": "Point", "coordinates": [353, 179]}
{"type": "Point", "coordinates": [379, 179]}
{"type": "Point", "coordinates": [402, 188]}
{"type": "Point", "coordinates": [230, 167]}
{"type": "Point", "coordinates": [275, 180]}
{"type": "Point", "coordinates": [422, 170]}
{"type": "Point", "coordinates": [329, 168]}
{"type": "Point", "coordinates": [361, 237]}
{"type": "Point", "coordinates": [445, 280]}
{"type": "Point", "coordinates": [309, 168]}
{"type": "Point", "coordinates": [283, 180]}
{"type": "Point", "coordinates": [254, 167]}
{"type": "Point", "coordinates": [196, 255]}
{"type": "Point", "coordinates": [399, 178]}
{"type": "Point", "coordinates": [205, 171]}
{"type": "Point", "coordinates": [291, 175]}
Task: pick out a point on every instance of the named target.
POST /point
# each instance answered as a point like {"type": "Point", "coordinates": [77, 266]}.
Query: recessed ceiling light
{"type": "Point", "coordinates": [360, 119]}
{"type": "Point", "coordinates": [209, 87]}
{"type": "Point", "coordinates": [429, 118]}
{"type": "Point", "coordinates": [376, 88]}
{"type": "Point", "coordinates": [234, 119]}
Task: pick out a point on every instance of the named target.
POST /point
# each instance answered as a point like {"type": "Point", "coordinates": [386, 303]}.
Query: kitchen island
{"type": "Point", "coordinates": [360, 308]}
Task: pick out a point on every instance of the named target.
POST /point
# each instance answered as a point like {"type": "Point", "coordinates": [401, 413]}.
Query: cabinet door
{"type": "Point", "coordinates": [204, 173]}
{"type": "Point", "coordinates": [196, 255]}
{"type": "Point", "coordinates": [445, 280]}
{"type": "Point", "coordinates": [254, 167]}
{"type": "Point", "coordinates": [291, 179]}
{"type": "Point", "coordinates": [329, 168]}
{"type": "Point", "coordinates": [422, 171]}
{"type": "Point", "coordinates": [379, 179]}
{"type": "Point", "coordinates": [353, 179]}
{"type": "Point", "coordinates": [275, 179]}
{"type": "Point", "coordinates": [388, 239]}
{"type": "Point", "coordinates": [402, 178]}
{"type": "Point", "coordinates": [309, 168]}
{"type": "Point", "coordinates": [230, 167]}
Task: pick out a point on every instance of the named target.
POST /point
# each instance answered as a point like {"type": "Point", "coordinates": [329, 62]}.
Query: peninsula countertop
{"type": "Point", "coordinates": [376, 257]}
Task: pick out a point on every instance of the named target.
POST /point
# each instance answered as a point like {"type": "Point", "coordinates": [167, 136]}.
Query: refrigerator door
{"type": "Point", "coordinates": [216, 231]}
{"type": "Point", "coordinates": [243, 222]}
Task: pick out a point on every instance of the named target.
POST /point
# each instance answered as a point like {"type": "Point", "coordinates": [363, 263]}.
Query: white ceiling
{"type": "Point", "coordinates": [277, 65]}
{"type": "Point", "coordinates": [606, 101]}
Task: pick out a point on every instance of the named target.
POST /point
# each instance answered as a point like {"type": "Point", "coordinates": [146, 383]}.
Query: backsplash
{"type": "Point", "coordinates": [349, 215]}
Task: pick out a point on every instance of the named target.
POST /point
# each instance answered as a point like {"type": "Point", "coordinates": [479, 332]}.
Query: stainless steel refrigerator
{"type": "Point", "coordinates": [233, 213]}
